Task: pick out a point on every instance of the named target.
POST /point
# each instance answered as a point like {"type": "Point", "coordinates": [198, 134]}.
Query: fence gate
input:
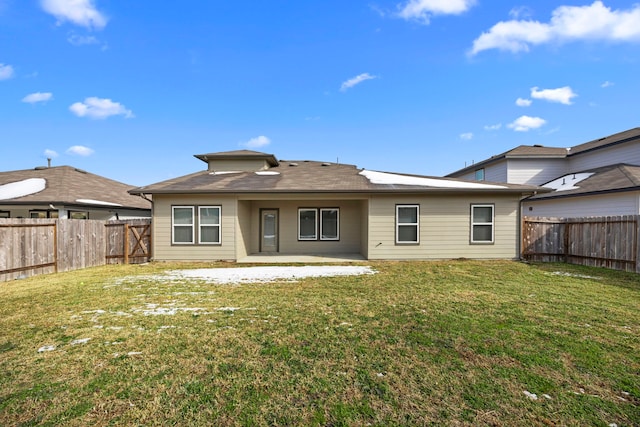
{"type": "Point", "coordinates": [128, 242]}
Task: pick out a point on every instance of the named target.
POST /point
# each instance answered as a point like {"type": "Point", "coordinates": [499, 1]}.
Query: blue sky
{"type": "Point", "coordinates": [132, 89]}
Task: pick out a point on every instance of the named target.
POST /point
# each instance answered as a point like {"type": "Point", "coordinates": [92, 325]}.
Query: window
{"type": "Point", "coordinates": [480, 174]}
{"type": "Point", "coordinates": [407, 223]}
{"type": "Point", "coordinates": [307, 224]}
{"type": "Point", "coordinates": [330, 224]}
{"type": "Point", "coordinates": [182, 224]}
{"type": "Point", "coordinates": [209, 221]}
{"type": "Point", "coordinates": [78, 215]}
{"type": "Point", "coordinates": [43, 214]}
{"type": "Point", "coordinates": [5, 214]}
{"type": "Point", "coordinates": [482, 223]}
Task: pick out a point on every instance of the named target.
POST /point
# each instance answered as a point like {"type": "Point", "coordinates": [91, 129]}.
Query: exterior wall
{"type": "Point", "coordinates": [350, 235]}
{"type": "Point", "coordinates": [627, 203]}
{"type": "Point", "coordinates": [445, 227]}
{"type": "Point", "coordinates": [624, 153]}
{"type": "Point", "coordinates": [495, 173]}
{"type": "Point", "coordinates": [22, 211]}
{"type": "Point", "coordinates": [244, 230]}
{"type": "Point", "coordinates": [364, 228]}
{"type": "Point", "coordinates": [164, 250]}
{"type": "Point", "coordinates": [238, 165]}
{"type": "Point", "coordinates": [535, 171]}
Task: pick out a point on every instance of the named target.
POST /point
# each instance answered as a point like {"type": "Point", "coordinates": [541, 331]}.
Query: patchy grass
{"type": "Point", "coordinates": [455, 343]}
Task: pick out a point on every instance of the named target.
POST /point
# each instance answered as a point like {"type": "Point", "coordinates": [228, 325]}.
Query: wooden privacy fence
{"type": "Point", "coordinates": [29, 247]}
{"type": "Point", "coordinates": [610, 242]}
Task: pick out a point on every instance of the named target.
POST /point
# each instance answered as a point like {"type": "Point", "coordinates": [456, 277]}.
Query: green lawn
{"type": "Point", "coordinates": [444, 343]}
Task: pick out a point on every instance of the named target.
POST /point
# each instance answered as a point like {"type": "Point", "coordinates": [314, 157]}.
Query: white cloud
{"type": "Point", "coordinates": [257, 142]}
{"type": "Point", "coordinates": [50, 154]}
{"type": "Point", "coordinates": [493, 127]}
{"type": "Point", "coordinates": [526, 123]}
{"type": "Point", "coordinates": [79, 12]}
{"type": "Point", "coordinates": [33, 98]}
{"type": "Point", "coordinates": [356, 80]}
{"type": "Point", "coordinates": [80, 150]}
{"type": "Point", "coordinates": [466, 136]}
{"type": "Point", "coordinates": [607, 84]}
{"type": "Point", "coordinates": [6, 71]}
{"type": "Point", "coordinates": [99, 108]}
{"type": "Point", "coordinates": [568, 23]}
{"type": "Point", "coordinates": [521, 102]}
{"type": "Point", "coordinates": [422, 10]}
{"type": "Point", "coordinates": [562, 95]}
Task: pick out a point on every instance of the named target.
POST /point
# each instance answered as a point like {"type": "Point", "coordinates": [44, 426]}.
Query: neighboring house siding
{"type": "Point", "coordinates": [625, 153]}
{"type": "Point", "coordinates": [496, 173]}
{"type": "Point", "coordinates": [350, 229]}
{"type": "Point", "coordinates": [574, 207]}
{"type": "Point", "coordinates": [535, 171]}
{"type": "Point", "coordinates": [102, 214]}
{"type": "Point", "coordinates": [444, 228]}
{"type": "Point", "coordinates": [164, 250]}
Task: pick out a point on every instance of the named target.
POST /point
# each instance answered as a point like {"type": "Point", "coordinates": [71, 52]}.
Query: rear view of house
{"type": "Point", "coordinates": [247, 202]}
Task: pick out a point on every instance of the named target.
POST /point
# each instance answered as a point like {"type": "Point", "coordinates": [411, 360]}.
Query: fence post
{"type": "Point", "coordinates": [637, 243]}
{"type": "Point", "coordinates": [565, 239]}
{"type": "Point", "coordinates": [126, 243]}
{"type": "Point", "coordinates": [55, 246]}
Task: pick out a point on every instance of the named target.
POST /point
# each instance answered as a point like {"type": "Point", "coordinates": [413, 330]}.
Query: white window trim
{"type": "Point", "coordinates": [315, 237]}
{"type": "Point", "coordinates": [337, 224]}
{"type": "Point", "coordinates": [492, 223]}
{"type": "Point", "coordinates": [218, 225]}
{"type": "Point", "coordinates": [407, 224]}
{"type": "Point", "coordinates": [173, 225]}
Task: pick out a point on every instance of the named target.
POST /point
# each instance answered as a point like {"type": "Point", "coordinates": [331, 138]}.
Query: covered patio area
{"type": "Point", "coordinates": [278, 258]}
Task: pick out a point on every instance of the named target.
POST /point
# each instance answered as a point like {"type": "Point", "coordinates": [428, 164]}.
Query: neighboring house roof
{"type": "Point", "coordinates": [607, 141]}
{"type": "Point", "coordinates": [66, 185]}
{"type": "Point", "coordinates": [542, 152]}
{"type": "Point", "coordinates": [318, 177]}
{"type": "Point", "coordinates": [607, 179]}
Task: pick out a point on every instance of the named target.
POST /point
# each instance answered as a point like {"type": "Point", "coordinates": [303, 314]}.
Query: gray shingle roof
{"type": "Point", "coordinates": [66, 185]}
{"type": "Point", "coordinates": [310, 177]}
{"type": "Point", "coordinates": [607, 179]}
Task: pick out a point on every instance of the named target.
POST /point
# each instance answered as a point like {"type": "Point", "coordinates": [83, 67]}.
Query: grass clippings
{"type": "Point", "coordinates": [416, 343]}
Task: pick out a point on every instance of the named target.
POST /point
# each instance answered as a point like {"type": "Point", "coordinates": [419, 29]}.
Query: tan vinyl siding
{"type": "Point", "coordinates": [350, 216]}
{"type": "Point", "coordinates": [597, 205]}
{"type": "Point", "coordinates": [444, 228]}
{"type": "Point", "coordinates": [164, 250]}
{"type": "Point", "coordinates": [238, 165]}
{"type": "Point", "coordinates": [364, 228]}
{"type": "Point", "coordinates": [243, 232]}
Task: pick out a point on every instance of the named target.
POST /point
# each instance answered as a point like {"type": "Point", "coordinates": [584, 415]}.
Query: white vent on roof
{"type": "Point", "coordinates": [267, 173]}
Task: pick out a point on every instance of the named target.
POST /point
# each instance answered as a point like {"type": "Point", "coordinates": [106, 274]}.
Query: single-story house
{"type": "Point", "coordinates": [248, 202]}
{"type": "Point", "coordinates": [67, 192]}
{"type": "Point", "coordinates": [606, 191]}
